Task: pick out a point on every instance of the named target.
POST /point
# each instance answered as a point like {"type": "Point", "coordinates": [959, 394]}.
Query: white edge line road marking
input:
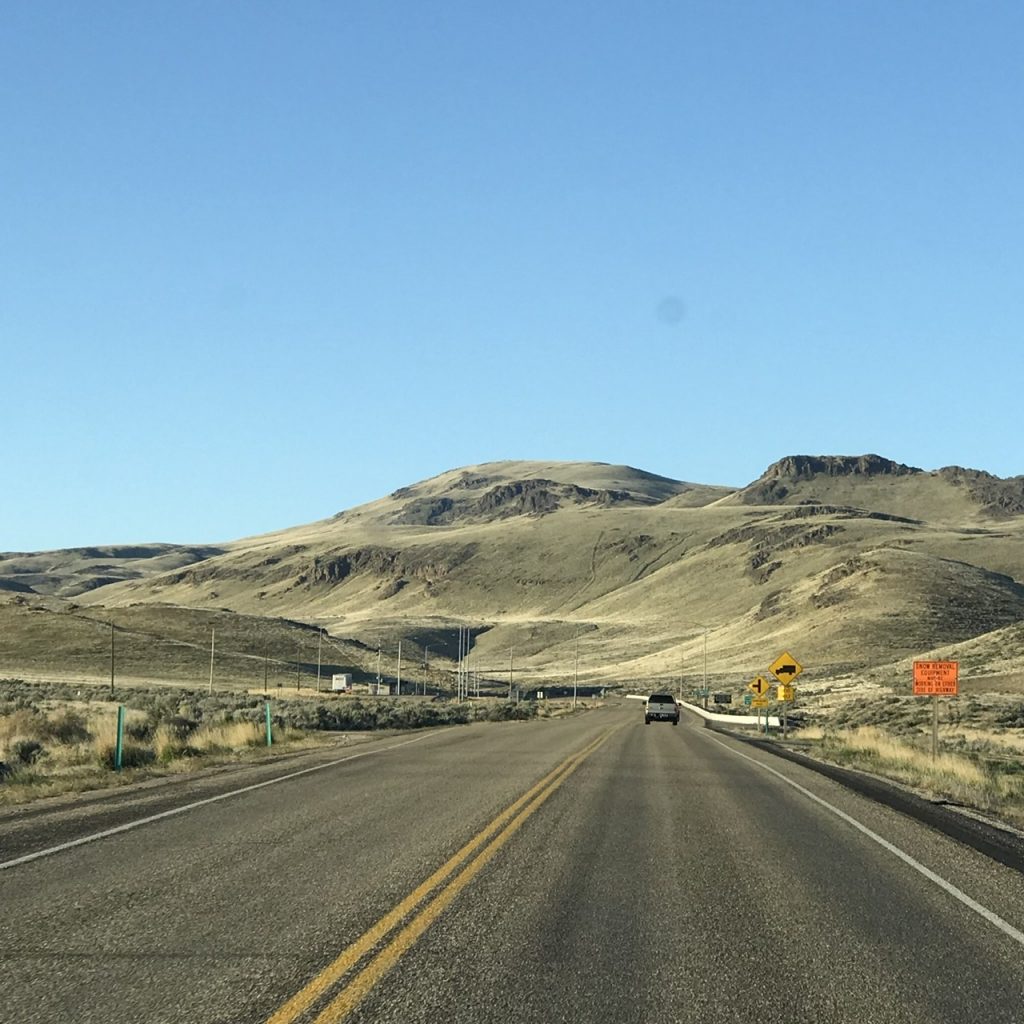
{"type": "Point", "coordinates": [139, 822]}
{"type": "Point", "coordinates": [1004, 926]}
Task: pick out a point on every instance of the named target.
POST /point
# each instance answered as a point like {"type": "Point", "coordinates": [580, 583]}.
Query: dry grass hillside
{"type": "Point", "coordinates": [854, 564]}
{"type": "Point", "coordinates": [74, 571]}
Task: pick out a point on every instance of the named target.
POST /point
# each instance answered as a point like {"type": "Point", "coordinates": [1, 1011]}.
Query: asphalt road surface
{"type": "Point", "coordinates": [589, 869]}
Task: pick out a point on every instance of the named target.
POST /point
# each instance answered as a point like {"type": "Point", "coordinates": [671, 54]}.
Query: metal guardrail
{"type": "Point", "coordinates": [774, 721]}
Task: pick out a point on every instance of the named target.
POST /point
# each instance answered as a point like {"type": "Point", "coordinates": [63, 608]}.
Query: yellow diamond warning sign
{"type": "Point", "coordinates": [760, 686]}
{"type": "Point", "coordinates": [786, 668]}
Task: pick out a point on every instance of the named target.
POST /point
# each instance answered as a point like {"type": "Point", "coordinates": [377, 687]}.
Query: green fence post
{"type": "Point", "coordinates": [270, 731]}
{"type": "Point", "coordinates": [119, 744]}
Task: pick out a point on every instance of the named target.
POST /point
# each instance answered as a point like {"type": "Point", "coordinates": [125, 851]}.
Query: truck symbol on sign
{"type": "Point", "coordinates": [786, 670]}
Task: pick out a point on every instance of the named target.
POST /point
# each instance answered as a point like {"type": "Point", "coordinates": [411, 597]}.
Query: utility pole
{"type": "Point", "coordinates": [705, 629]}
{"type": "Point", "coordinates": [213, 635]}
{"type": "Point", "coordinates": [426, 667]}
{"type": "Point", "coordinates": [378, 670]}
{"type": "Point", "coordinates": [706, 670]}
{"type": "Point", "coordinates": [111, 657]}
{"type": "Point", "coordinates": [576, 669]}
{"type": "Point", "coordinates": [265, 670]}
{"type": "Point", "coordinates": [458, 668]}
{"type": "Point", "coordinates": [398, 681]}
{"type": "Point", "coordinates": [319, 642]}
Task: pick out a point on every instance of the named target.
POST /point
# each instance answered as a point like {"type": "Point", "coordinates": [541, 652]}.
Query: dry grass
{"type": "Point", "coordinates": [48, 753]}
{"type": "Point", "coordinates": [226, 736]}
{"type": "Point", "coordinates": [56, 738]}
{"type": "Point", "coordinates": [956, 777]}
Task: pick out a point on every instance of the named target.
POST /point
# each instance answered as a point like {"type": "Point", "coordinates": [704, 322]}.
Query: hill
{"type": "Point", "coordinates": [854, 563]}
{"type": "Point", "coordinates": [950, 495]}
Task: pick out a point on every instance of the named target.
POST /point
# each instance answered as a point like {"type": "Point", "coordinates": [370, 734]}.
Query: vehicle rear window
{"type": "Point", "coordinates": [661, 698]}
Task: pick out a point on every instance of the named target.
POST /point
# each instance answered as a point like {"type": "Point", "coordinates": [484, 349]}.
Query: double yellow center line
{"type": "Point", "coordinates": [485, 844]}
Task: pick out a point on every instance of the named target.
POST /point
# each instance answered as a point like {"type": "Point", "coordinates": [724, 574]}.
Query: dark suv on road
{"type": "Point", "coordinates": [661, 707]}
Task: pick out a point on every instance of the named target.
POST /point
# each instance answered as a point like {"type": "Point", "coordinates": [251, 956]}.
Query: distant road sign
{"type": "Point", "coordinates": [936, 678]}
{"type": "Point", "coordinates": [760, 686]}
{"type": "Point", "coordinates": [748, 699]}
{"type": "Point", "coordinates": [786, 668]}
{"type": "Point", "coordinates": [723, 698]}
{"type": "Point", "coordinates": [760, 702]}
{"type": "Point", "coordinates": [786, 692]}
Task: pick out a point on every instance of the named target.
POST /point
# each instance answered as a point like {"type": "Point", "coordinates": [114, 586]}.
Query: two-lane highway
{"type": "Point", "coordinates": [588, 869]}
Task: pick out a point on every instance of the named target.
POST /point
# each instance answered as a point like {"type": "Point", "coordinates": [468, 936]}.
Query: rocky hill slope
{"type": "Point", "coordinates": [854, 562]}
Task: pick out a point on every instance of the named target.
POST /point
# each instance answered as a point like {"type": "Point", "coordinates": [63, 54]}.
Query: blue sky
{"type": "Point", "coordinates": [265, 261]}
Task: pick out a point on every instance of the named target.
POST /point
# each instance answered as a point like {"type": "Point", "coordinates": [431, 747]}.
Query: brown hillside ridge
{"type": "Point", "coordinates": [775, 484]}
{"type": "Point", "coordinates": [996, 496]}
{"type": "Point", "coordinates": [854, 564]}
{"type": "Point", "coordinates": [869, 481]}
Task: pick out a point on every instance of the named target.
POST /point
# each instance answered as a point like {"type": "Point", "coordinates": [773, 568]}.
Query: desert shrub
{"type": "Point", "coordinates": [509, 711]}
{"type": "Point", "coordinates": [355, 715]}
{"type": "Point", "coordinates": [139, 731]}
{"type": "Point", "coordinates": [225, 736]}
{"type": "Point", "coordinates": [26, 751]}
{"type": "Point", "coordinates": [352, 716]}
{"type": "Point", "coordinates": [1012, 716]}
{"type": "Point", "coordinates": [22, 722]}
{"type": "Point", "coordinates": [171, 740]}
{"type": "Point", "coordinates": [176, 752]}
{"type": "Point", "coordinates": [67, 727]}
{"type": "Point", "coordinates": [133, 755]}
{"type": "Point", "coordinates": [179, 726]}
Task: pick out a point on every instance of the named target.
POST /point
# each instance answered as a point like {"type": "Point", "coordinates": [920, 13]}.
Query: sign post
{"type": "Point", "coordinates": [784, 694]}
{"type": "Point", "coordinates": [760, 687]}
{"type": "Point", "coordinates": [936, 679]}
{"type": "Point", "coordinates": [119, 740]}
{"type": "Point", "coordinates": [786, 668]}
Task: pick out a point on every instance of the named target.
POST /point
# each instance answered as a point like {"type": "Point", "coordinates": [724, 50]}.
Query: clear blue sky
{"type": "Point", "coordinates": [261, 262]}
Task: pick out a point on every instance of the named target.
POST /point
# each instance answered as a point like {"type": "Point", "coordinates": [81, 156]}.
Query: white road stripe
{"type": "Point", "coordinates": [139, 822]}
{"type": "Point", "coordinates": [1004, 926]}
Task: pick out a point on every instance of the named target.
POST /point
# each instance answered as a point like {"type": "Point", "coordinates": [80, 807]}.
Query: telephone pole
{"type": "Point", "coordinates": [213, 634]}
{"type": "Point", "coordinates": [576, 669]}
{"type": "Point", "coordinates": [319, 642]}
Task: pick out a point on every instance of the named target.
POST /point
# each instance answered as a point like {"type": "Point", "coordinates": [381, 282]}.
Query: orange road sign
{"type": "Point", "coordinates": [936, 678]}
